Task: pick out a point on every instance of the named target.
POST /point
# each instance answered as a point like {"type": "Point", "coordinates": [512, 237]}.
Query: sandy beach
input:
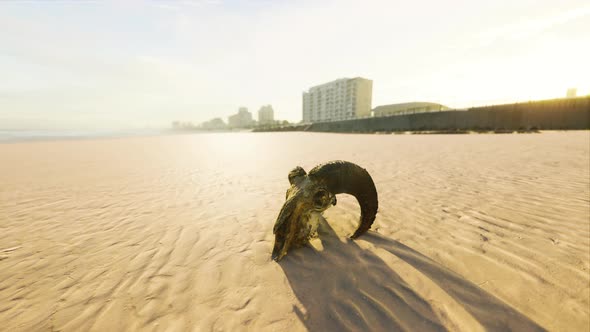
{"type": "Point", "coordinates": [174, 233]}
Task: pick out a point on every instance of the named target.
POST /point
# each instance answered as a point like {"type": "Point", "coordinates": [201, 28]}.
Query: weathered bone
{"type": "Point", "coordinates": [311, 194]}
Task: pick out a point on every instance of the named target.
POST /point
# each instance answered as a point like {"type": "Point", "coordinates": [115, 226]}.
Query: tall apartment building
{"type": "Point", "coordinates": [345, 98]}
{"type": "Point", "coordinates": [266, 115]}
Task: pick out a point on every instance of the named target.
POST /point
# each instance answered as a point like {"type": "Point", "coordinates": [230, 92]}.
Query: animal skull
{"type": "Point", "coordinates": [311, 194]}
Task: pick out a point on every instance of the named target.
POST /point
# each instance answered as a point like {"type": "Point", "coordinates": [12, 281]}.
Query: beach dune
{"type": "Point", "coordinates": [174, 233]}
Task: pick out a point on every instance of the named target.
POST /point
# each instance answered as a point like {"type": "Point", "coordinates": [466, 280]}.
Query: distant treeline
{"type": "Point", "coordinates": [567, 113]}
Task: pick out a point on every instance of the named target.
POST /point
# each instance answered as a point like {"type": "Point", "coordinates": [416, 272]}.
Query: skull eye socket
{"type": "Point", "coordinates": [321, 199]}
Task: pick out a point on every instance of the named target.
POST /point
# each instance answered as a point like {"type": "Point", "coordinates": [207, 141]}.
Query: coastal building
{"type": "Point", "coordinates": [571, 93]}
{"type": "Point", "coordinates": [407, 108]}
{"type": "Point", "coordinates": [266, 115]}
{"type": "Point", "coordinates": [214, 124]}
{"type": "Point", "coordinates": [240, 120]}
{"type": "Point", "coordinates": [345, 98]}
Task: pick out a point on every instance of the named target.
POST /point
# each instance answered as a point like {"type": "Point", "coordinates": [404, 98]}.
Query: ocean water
{"type": "Point", "coordinates": [9, 136]}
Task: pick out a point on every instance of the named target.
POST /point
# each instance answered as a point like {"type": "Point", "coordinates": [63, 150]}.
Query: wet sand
{"type": "Point", "coordinates": [474, 233]}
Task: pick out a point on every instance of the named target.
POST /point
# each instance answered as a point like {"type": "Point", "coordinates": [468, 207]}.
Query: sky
{"type": "Point", "coordinates": [144, 64]}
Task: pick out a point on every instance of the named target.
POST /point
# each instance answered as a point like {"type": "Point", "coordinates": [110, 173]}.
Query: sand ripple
{"type": "Point", "coordinates": [474, 233]}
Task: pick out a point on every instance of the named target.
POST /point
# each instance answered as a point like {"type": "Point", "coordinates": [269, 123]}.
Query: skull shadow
{"type": "Point", "coordinates": [347, 288]}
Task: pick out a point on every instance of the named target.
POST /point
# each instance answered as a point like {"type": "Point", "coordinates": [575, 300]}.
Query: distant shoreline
{"type": "Point", "coordinates": [52, 138]}
{"type": "Point", "coordinates": [9, 136]}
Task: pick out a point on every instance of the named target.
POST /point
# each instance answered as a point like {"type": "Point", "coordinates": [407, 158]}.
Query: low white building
{"type": "Point", "coordinates": [407, 108]}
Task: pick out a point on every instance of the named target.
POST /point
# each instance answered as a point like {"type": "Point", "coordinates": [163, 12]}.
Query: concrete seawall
{"type": "Point", "coordinates": [572, 113]}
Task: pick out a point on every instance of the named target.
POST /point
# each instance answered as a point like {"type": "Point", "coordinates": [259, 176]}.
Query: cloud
{"type": "Point", "coordinates": [528, 27]}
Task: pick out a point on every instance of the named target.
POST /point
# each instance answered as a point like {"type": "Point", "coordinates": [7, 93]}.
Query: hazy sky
{"type": "Point", "coordinates": [146, 63]}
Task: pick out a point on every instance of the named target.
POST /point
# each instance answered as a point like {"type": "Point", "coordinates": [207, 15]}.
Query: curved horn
{"type": "Point", "coordinates": [348, 178]}
{"type": "Point", "coordinates": [283, 230]}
